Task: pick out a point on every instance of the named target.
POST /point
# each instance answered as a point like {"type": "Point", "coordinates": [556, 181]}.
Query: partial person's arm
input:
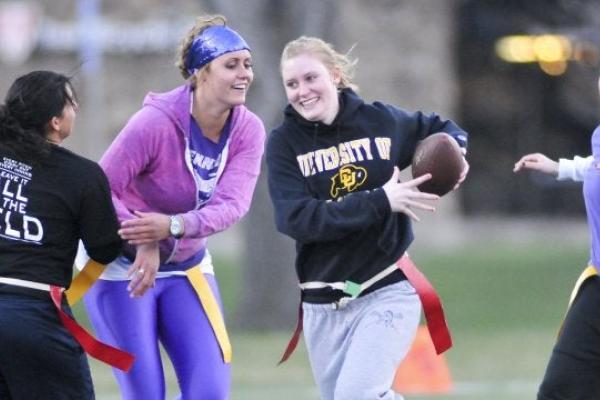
{"type": "Point", "coordinates": [433, 123]}
{"type": "Point", "coordinates": [564, 169]}
{"type": "Point", "coordinates": [573, 169]}
{"type": "Point", "coordinates": [98, 223]}
{"type": "Point", "coordinates": [416, 126]}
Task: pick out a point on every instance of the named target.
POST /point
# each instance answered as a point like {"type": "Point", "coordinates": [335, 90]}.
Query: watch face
{"type": "Point", "coordinates": [176, 227]}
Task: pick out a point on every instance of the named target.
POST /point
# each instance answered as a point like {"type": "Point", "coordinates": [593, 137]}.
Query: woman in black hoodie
{"type": "Point", "coordinates": [334, 180]}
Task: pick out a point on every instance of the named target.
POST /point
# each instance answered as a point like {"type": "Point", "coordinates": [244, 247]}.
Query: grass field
{"type": "Point", "coordinates": [504, 305]}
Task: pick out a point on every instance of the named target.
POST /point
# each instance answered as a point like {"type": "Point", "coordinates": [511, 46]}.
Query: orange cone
{"type": "Point", "coordinates": [423, 371]}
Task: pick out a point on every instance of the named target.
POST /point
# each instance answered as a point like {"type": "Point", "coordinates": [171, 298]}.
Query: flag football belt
{"type": "Point", "coordinates": [211, 308]}
{"type": "Point", "coordinates": [432, 306]}
{"type": "Point", "coordinates": [101, 351]}
{"type": "Point", "coordinates": [588, 272]}
{"type": "Point", "coordinates": [351, 288]}
{"type": "Point", "coordinates": [92, 271]}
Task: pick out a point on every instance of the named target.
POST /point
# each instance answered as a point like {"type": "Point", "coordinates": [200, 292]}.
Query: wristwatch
{"type": "Point", "coordinates": [176, 227]}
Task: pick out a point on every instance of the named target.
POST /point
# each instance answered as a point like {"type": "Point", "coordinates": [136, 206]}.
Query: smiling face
{"type": "Point", "coordinates": [311, 88]}
{"type": "Point", "coordinates": [227, 78]}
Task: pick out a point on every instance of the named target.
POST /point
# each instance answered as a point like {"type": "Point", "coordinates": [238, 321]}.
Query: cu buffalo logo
{"type": "Point", "coordinates": [348, 179]}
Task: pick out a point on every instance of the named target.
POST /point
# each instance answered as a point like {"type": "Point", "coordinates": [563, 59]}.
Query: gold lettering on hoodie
{"type": "Point", "coordinates": [352, 151]}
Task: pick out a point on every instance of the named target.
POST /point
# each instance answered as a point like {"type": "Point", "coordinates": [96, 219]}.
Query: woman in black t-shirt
{"type": "Point", "coordinates": [50, 199]}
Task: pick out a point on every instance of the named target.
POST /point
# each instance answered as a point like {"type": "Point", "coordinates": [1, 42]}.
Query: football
{"type": "Point", "coordinates": [439, 155]}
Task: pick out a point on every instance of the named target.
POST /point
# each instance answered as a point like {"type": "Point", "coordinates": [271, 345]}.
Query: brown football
{"type": "Point", "coordinates": [439, 155]}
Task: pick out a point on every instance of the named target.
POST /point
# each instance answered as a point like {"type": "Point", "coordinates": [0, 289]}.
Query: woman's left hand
{"type": "Point", "coordinates": [147, 228]}
{"type": "Point", "coordinates": [143, 269]}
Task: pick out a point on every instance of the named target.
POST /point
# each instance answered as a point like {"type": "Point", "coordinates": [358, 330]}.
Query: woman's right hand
{"type": "Point", "coordinates": [144, 268]}
{"type": "Point", "coordinates": [537, 162]}
{"type": "Point", "coordinates": [148, 227]}
{"type": "Point", "coordinates": [403, 196]}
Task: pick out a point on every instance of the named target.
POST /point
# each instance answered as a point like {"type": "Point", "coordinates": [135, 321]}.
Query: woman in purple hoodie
{"type": "Point", "coordinates": [183, 168]}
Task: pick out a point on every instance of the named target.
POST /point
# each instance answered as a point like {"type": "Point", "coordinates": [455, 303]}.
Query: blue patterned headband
{"type": "Point", "coordinates": [213, 42]}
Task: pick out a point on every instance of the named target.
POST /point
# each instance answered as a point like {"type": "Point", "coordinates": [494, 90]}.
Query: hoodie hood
{"type": "Point", "coordinates": [175, 104]}
{"type": "Point", "coordinates": [349, 104]}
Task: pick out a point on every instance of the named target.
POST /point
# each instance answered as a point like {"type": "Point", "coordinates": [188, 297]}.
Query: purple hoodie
{"type": "Point", "coordinates": [149, 170]}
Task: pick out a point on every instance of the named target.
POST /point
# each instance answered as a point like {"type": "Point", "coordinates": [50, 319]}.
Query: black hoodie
{"type": "Point", "coordinates": [325, 183]}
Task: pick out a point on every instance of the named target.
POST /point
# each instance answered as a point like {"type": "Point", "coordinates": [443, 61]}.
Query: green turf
{"type": "Point", "coordinates": [503, 303]}
{"type": "Point", "coordinates": [494, 287]}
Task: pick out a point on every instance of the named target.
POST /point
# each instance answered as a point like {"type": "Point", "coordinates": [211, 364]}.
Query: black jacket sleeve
{"type": "Point", "coordinates": [413, 127]}
{"type": "Point", "coordinates": [307, 219]}
{"type": "Point", "coordinates": [98, 222]}
{"type": "Point", "coordinates": [433, 123]}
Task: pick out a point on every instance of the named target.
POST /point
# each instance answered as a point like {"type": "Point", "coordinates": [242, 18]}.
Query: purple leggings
{"type": "Point", "coordinates": [172, 314]}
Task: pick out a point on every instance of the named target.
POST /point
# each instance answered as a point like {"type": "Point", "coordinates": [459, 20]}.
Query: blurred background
{"type": "Point", "coordinates": [503, 251]}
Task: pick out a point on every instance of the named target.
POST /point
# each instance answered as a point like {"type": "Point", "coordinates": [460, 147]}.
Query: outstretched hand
{"type": "Point", "coordinates": [537, 162]}
{"type": "Point", "coordinates": [147, 228]}
{"type": "Point", "coordinates": [403, 196]}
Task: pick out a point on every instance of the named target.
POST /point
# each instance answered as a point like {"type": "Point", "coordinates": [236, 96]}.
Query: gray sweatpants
{"type": "Point", "coordinates": [354, 351]}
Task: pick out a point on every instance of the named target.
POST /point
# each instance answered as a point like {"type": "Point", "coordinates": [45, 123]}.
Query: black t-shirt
{"type": "Point", "coordinates": [46, 209]}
